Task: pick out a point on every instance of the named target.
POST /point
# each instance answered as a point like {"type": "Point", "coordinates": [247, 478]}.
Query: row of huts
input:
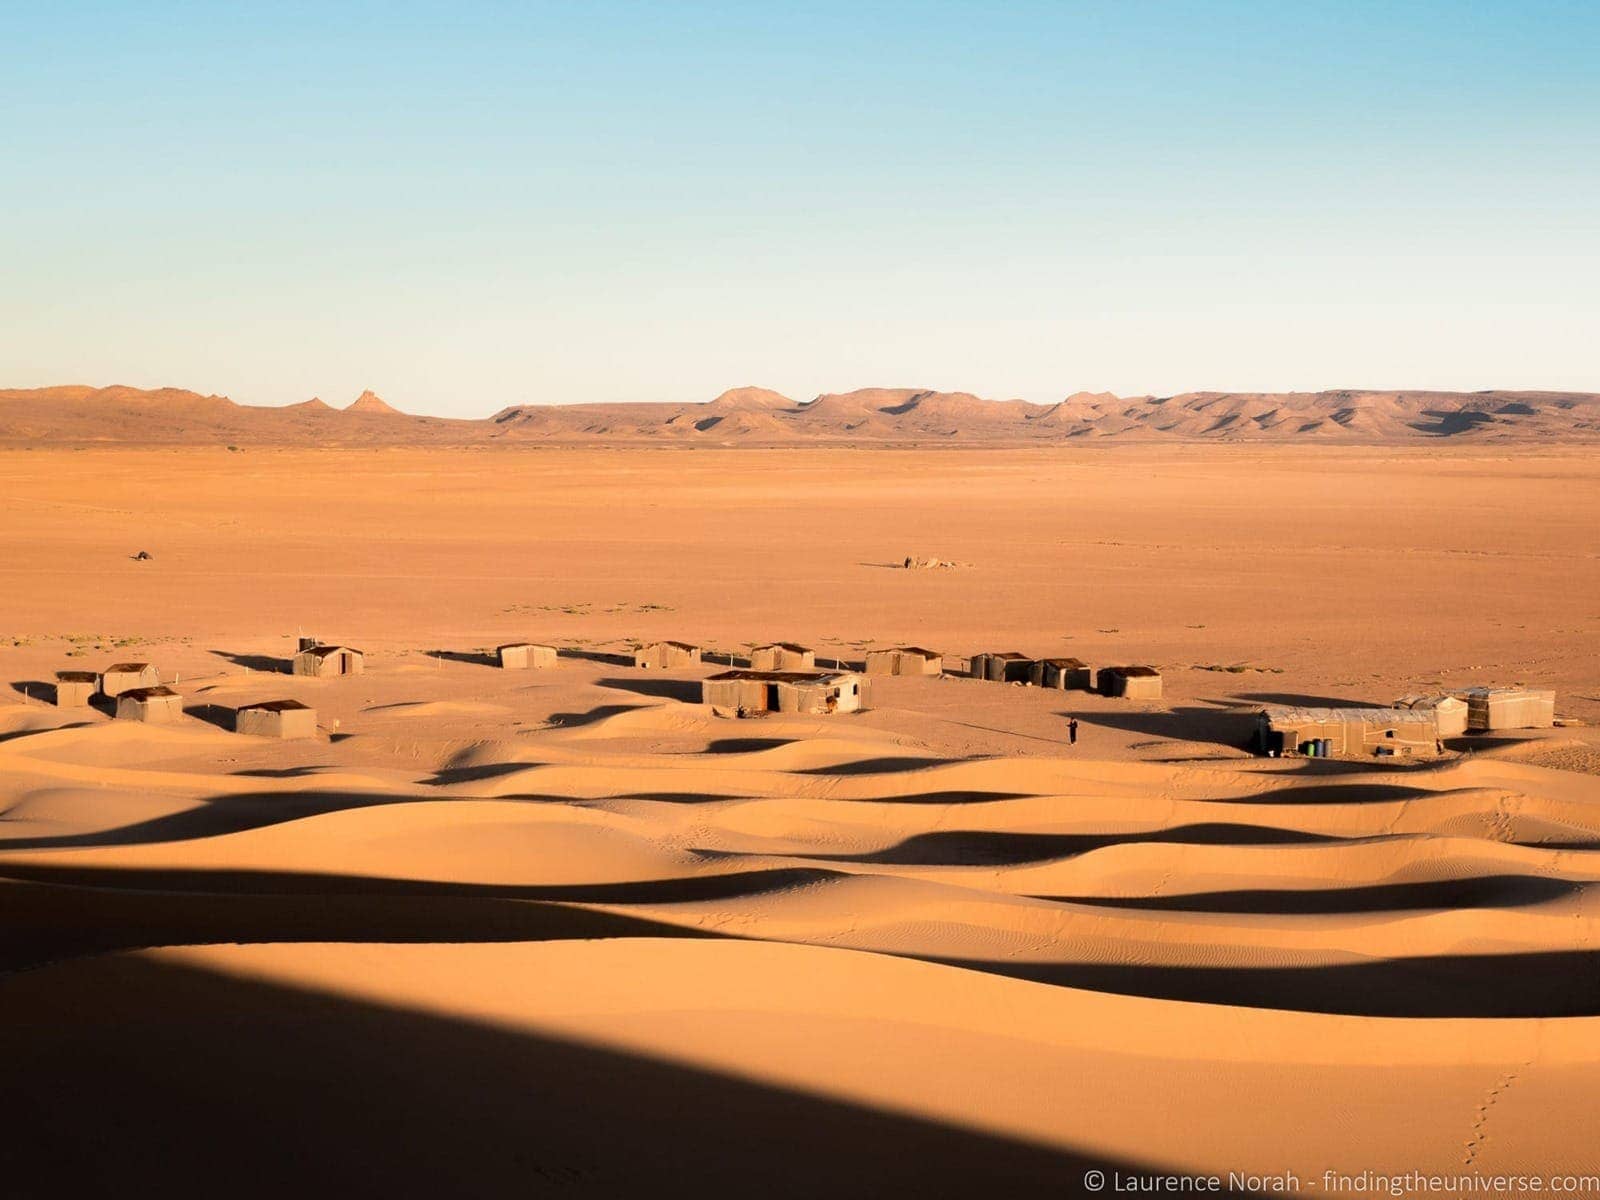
{"type": "Point", "coordinates": [1415, 726]}
{"type": "Point", "coordinates": [136, 693]}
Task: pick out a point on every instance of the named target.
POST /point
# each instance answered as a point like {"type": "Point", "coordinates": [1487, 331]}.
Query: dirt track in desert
{"type": "Point", "coordinates": [572, 928]}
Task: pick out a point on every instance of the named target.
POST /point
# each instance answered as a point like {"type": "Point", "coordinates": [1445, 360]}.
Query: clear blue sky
{"type": "Point", "coordinates": [469, 205]}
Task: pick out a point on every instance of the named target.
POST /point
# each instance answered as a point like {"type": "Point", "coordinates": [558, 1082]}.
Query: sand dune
{"type": "Point", "coordinates": [572, 927]}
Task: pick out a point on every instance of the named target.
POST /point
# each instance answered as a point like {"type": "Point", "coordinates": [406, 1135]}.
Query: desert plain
{"type": "Point", "coordinates": [568, 932]}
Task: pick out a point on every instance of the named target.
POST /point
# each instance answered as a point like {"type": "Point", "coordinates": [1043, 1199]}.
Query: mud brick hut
{"type": "Point", "coordinates": [1494, 708]}
{"type": "Point", "coordinates": [666, 656]}
{"type": "Point", "coordinates": [751, 693]}
{"type": "Point", "coordinates": [905, 660]}
{"type": "Point", "coordinates": [1004, 666]}
{"type": "Point", "coordinates": [124, 677]}
{"type": "Point", "coordinates": [156, 704]}
{"type": "Point", "coordinates": [276, 719]}
{"type": "Point", "coordinates": [522, 656]}
{"type": "Point", "coordinates": [1349, 732]}
{"type": "Point", "coordinates": [74, 689]}
{"type": "Point", "coordinates": [1131, 683]}
{"type": "Point", "coordinates": [1063, 674]}
{"type": "Point", "coordinates": [327, 661]}
{"type": "Point", "coordinates": [1449, 713]}
{"type": "Point", "coordinates": [783, 656]}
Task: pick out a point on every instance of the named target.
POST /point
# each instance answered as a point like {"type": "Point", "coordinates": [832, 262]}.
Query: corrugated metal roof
{"type": "Point", "coordinates": [274, 706]}
{"type": "Point", "coordinates": [149, 693]}
{"type": "Point", "coordinates": [1365, 716]}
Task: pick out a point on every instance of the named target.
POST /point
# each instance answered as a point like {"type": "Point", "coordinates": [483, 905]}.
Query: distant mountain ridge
{"type": "Point", "coordinates": [752, 416]}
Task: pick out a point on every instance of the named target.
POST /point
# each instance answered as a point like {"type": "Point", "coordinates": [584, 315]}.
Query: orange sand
{"type": "Point", "coordinates": [565, 931]}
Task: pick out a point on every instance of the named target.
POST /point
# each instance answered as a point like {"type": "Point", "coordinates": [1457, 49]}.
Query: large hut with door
{"type": "Point", "coordinates": [783, 656]}
{"type": "Point", "coordinates": [158, 704]}
{"type": "Point", "coordinates": [1063, 674]}
{"type": "Point", "coordinates": [753, 693]}
{"type": "Point", "coordinates": [124, 677]}
{"type": "Point", "coordinates": [1002, 666]}
{"type": "Point", "coordinates": [1493, 708]}
{"type": "Point", "coordinates": [905, 660]}
{"type": "Point", "coordinates": [74, 689]}
{"type": "Point", "coordinates": [666, 656]}
{"type": "Point", "coordinates": [276, 719]}
{"type": "Point", "coordinates": [327, 661]}
{"type": "Point", "coordinates": [1348, 732]}
{"type": "Point", "coordinates": [1449, 712]}
{"type": "Point", "coordinates": [522, 656]}
{"type": "Point", "coordinates": [1131, 683]}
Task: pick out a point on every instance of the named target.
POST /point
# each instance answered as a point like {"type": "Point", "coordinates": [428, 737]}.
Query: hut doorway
{"type": "Point", "coordinates": [772, 697]}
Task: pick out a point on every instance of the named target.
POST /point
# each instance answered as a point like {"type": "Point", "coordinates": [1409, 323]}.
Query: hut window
{"type": "Point", "coordinates": [1388, 733]}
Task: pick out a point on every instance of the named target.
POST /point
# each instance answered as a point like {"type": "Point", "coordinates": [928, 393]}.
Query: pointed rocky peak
{"type": "Point", "coordinates": [371, 402]}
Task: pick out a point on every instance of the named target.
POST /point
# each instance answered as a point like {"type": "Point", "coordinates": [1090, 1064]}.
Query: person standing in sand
{"type": "Point", "coordinates": [1072, 731]}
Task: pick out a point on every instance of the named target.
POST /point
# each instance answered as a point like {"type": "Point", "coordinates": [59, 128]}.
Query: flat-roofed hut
{"type": "Point", "coordinates": [1449, 713]}
{"type": "Point", "coordinates": [666, 656]}
{"type": "Point", "coordinates": [1349, 732]}
{"type": "Point", "coordinates": [1002, 666]}
{"type": "Point", "coordinates": [751, 693]}
{"type": "Point", "coordinates": [326, 661]}
{"type": "Point", "coordinates": [1063, 674]}
{"type": "Point", "coordinates": [124, 677]}
{"type": "Point", "coordinates": [783, 656]}
{"type": "Point", "coordinates": [276, 719]}
{"type": "Point", "coordinates": [905, 660]}
{"type": "Point", "coordinates": [1131, 683]}
{"type": "Point", "coordinates": [522, 656]}
{"type": "Point", "coordinates": [74, 689]}
{"type": "Point", "coordinates": [158, 704]}
{"type": "Point", "coordinates": [1492, 708]}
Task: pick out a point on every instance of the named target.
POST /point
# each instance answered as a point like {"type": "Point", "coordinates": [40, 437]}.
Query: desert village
{"type": "Point", "coordinates": [784, 678]}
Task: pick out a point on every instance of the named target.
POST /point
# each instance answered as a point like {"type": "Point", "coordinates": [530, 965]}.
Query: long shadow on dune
{"type": "Point", "coordinates": [1333, 793]}
{"type": "Point", "coordinates": [255, 662]}
{"type": "Point", "coordinates": [888, 765]}
{"type": "Point", "coordinates": [1564, 983]}
{"type": "Point", "coordinates": [746, 745]}
{"type": "Point", "coordinates": [220, 815]}
{"type": "Point", "coordinates": [964, 847]}
{"type": "Point", "coordinates": [595, 656]}
{"type": "Point", "coordinates": [1297, 700]}
{"type": "Point", "coordinates": [593, 716]}
{"type": "Point", "coordinates": [214, 714]}
{"type": "Point", "coordinates": [473, 658]}
{"type": "Point", "coordinates": [684, 690]}
{"type": "Point", "coordinates": [35, 689]}
{"type": "Point", "coordinates": [1484, 891]}
{"type": "Point", "coordinates": [1217, 726]}
{"type": "Point", "coordinates": [449, 775]}
{"type": "Point", "coordinates": [280, 1090]}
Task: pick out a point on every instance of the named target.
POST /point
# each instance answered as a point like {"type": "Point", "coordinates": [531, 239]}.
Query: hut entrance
{"type": "Point", "coordinates": [345, 661]}
{"type": "Point", "coordinates": [772, 697]}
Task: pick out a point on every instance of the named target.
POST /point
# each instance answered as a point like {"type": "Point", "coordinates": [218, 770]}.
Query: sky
{"type": "Point", "coordinates": [469, 205]}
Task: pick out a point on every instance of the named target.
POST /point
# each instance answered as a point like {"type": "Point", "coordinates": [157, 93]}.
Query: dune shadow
{"type": "Point", "coordinates": [1483, 891]}
{"type": "Point", "coordinates": [746, 745]}
{"type": "Point", "coordinates": [887, 765]}
{"type": "Point", "coordinates": [1297, 700]}
{"type": "Point", "coordinates": [968, 847]}
{"type": "Point", "coordinates": [367, 1099]}
{"type": "Point", "coordinates": [474, 658]}
{"type": "Point", "coordinates": [449, 775]}
{"type": "Point", "coordinates": [1331, 793]}
{"type": "Point", "coordinates": [219, 815]}
{"type": "Point", "coordinates": [1218, 726]}
{"type": "Point", "coordinates": [255, 662]}
{"type": "Point", "coordinates": [606, 657]}
{"type": "Point", "coordinates": [1558, 983]}
{"type": "Point", "coordinates": [35, 689]}
{"type": "Point", "coordinates": [577, 720]}
{"type": "Point", "coordinates": [214, 714]}
{"type": "Point", "coordinates": [686, 691]}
